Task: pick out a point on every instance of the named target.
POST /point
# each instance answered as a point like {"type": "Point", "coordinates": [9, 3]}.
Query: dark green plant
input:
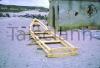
{"type": "Point", "coordinates": [98, 26]}
{"type": "Point", "coordinates": [58, 11]}
{"type": "Point", "coordinates": [53, 17]}
{"type": "Point", "coordinates": [1, 15]}
{"type": "Point", "coordinates": [7, 15]}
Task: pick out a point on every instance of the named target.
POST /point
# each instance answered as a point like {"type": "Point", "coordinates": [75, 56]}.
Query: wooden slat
{"type": "Point", "coordinates": [41, 32]}
{"type": "Point", "coordinates": [52, 42]}
{"type": "Point", "coordinates": [46, 36]}
{"type": "Point", "coordinates": [60, 49]}
{"type": "Point", "coordinates": [62, 54]}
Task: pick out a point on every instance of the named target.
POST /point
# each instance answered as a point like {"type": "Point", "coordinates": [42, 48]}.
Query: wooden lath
{"type": "Point", "coordinates": [52, 42]}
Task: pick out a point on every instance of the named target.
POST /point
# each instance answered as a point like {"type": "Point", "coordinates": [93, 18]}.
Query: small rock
{"type": "Point", "coordinates": [89, 64]}
{"type": "Point", "coordinates": [92, 55]}
{"type": "Point", "coordinates": [23, 27]}
{"type": "Point", "coordinates": [9, 24]}
{"type": "Point", "coordinates": [27, 65]}
{"type": "Point", "coordinates": [39, 48]}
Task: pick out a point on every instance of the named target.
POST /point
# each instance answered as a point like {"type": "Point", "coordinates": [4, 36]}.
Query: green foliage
{"type": "Point", "coordinates": [53, 17]}
{"type": "Point", "coordinates": [78, 26]}
{"type": "Point", "coordinates": [4, 15]}
{"type": "Point", "coordinates": [98, 26]}
{"type": "Point", "coordinates": [1, 14]}
{"type": "Point", "coordinates": [7, 15]}
{"type": "Point", "coordinates": [15, 8]}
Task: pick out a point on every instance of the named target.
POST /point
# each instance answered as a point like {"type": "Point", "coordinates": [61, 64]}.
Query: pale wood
{"type": "Point", "coordinates": [65, 50]}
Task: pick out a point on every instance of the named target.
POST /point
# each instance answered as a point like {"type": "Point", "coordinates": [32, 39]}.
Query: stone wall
{"type": "Point", "coordinates": [67, 12]}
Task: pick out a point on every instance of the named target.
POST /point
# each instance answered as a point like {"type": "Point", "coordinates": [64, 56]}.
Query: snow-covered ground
{"type": "Point", "coordinates": [35, 12]}
{"type": "Point", "coordinates": [18, 53]}
{"type": "Point", "coordinates": [31, 12]}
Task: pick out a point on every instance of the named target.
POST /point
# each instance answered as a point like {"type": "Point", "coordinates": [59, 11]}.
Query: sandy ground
{"type": "Point", "coordinates": [19, 53]}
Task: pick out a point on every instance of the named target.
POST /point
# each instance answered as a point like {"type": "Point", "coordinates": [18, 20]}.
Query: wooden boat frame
{"type": "Point", "coordinates": [67, 49]}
